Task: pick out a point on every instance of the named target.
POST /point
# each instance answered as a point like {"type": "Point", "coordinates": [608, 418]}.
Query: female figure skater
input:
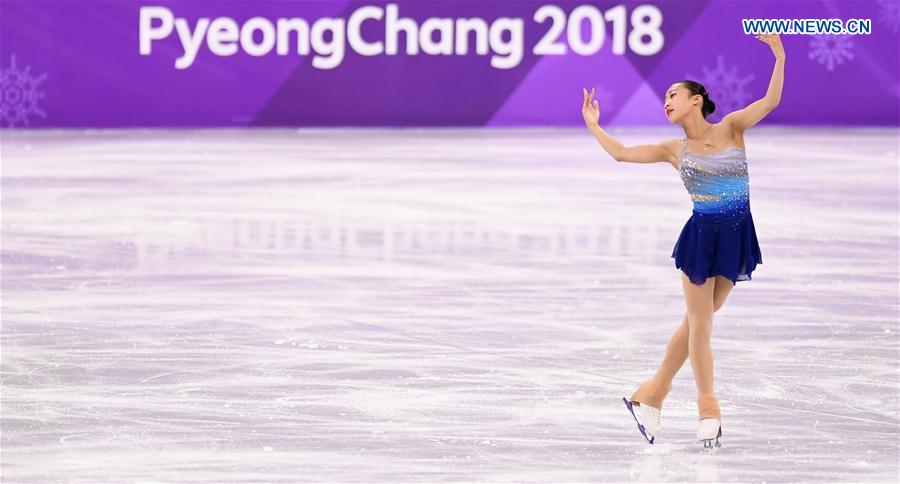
{"type": "Point", "coordinates": [717, 246]}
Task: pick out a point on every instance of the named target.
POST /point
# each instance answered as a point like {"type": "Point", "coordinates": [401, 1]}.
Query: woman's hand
{"type": "Point", "coordinates": [774, 41]}
{"type": "Point", "coordinates": [590, 109]}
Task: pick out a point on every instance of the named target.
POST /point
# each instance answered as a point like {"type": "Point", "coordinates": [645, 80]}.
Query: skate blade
{"type": "Point", "coordinates": [630, 407]}
{"type": "Point", "coordinates": [710, 445]}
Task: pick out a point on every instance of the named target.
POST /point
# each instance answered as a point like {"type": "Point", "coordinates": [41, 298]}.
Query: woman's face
{"type": "Point", "coordinates": [678, 102]}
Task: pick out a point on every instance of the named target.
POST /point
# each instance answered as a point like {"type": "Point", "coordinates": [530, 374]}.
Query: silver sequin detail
{"type": "Point", "coordinates": [718, 184]}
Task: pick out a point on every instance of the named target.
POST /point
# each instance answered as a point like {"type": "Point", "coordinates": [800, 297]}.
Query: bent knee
{"type": "Point", "coordinates": [694, 317]}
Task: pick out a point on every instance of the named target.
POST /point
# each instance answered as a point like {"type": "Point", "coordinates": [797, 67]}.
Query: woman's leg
{"type": "Point", "coordinates": [721, 292]}
{"type": "Point", "coordinates": [652, 392]}
{"type": "Point", "coordinates": [677, 352]}
{"type": "Point", "coordinates": [700, 309]}
{"type": "Point", "coordinates": [676, 355]}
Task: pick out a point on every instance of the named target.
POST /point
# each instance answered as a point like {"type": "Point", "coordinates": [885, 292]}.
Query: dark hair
{"type": "Point", "coordinates": [696, 88]}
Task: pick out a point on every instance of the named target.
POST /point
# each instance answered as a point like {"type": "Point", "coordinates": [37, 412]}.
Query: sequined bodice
{"type": "Point", "coordinates": [718, 182]}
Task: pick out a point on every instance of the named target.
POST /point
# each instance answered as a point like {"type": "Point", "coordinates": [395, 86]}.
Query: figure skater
{"type": "Point", "coordinates": [717, 246]}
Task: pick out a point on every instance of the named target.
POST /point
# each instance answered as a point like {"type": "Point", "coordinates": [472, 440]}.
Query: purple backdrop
{"type": "Point", "coordinates": [79, 64]}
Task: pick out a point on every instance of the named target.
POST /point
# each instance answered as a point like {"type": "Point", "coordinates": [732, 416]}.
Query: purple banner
{"type": "Point", "coordinates": [429, 63]}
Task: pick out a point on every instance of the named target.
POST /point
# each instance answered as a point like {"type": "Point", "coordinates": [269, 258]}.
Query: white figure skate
{"type": "Point", "coordinates": [648, 419]}
{"type": "Point", "coordinates": [709, 429]}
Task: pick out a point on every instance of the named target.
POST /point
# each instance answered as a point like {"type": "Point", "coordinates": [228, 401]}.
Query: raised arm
{"type": "Point", "coordinates": [743, 119]}
{"type": "Point", "coordinates": [650, 153]}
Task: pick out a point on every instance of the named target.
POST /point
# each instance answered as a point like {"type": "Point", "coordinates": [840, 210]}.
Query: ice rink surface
{"type": "Point", "coordinates": [433, 305]}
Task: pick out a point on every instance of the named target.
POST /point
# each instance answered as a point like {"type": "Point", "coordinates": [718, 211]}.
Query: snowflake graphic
{"type": "Point", "coordinates": [831, 50]}
{"type": "Point", "coordinates": [19, 94]}
{"type": "Point", "coordinates": [889, 13]}
{"type": "Point", "coordinates": [726, 87]}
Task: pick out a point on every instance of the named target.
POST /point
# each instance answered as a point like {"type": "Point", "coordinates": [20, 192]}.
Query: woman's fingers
{"type": "Point", "coordinates": [767, 38]}
{"type": "Point", "coordinates": [589, 98]}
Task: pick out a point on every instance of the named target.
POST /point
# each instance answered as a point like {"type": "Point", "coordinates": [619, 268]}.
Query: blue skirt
{"type": "Point", "coordinates": [717, 243]}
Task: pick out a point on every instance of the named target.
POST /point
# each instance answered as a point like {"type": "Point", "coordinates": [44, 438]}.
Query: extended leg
{"type": "Point", "coordinates": [653, 391]}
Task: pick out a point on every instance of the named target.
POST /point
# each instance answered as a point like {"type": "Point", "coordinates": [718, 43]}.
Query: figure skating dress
{"type": "Point", "coordinates": [719, 238]}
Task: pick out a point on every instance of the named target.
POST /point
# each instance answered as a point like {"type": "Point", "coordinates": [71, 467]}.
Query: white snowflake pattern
{"type": "Point", "coordinates": [19, 94]}
{"type": "Point", "coordinates": [726, 87]}
{"type": "Point", "coordinates": [889, 13]}
{"type": "Point", "coordinates": [831, 50]}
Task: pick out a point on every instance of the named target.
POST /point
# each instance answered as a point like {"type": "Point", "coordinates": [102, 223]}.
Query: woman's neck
{"type": "Point", "coordinates": [696, 128]}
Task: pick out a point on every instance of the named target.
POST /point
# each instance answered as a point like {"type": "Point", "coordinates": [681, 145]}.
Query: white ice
{"type": "Point", "coordinates": [424, 305]}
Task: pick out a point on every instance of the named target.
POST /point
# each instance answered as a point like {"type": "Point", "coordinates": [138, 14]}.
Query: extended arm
{"type": "Point", "coordinates": [590, 109]}
{"type": "Point", "coordinates": [651, 153]}
{"type": "Point", "coordinates": [743, 119]}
